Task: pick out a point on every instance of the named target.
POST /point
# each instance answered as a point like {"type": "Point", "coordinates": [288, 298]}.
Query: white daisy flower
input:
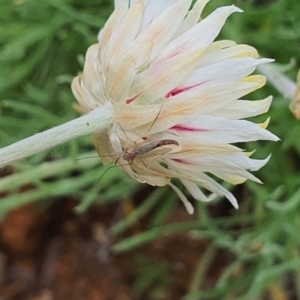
{"type": "Point", "coordinates": [176, 95]}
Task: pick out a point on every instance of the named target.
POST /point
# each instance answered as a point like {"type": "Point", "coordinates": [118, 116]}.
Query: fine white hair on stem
{"type": "Point", "coordinates": [94, 121]}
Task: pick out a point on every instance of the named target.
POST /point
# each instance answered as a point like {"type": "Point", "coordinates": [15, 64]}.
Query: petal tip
{"type": "Point", "coordinates": [236, 9]}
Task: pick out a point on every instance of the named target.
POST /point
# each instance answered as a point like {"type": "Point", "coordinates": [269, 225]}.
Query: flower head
{"type": "Point", "coordinates": [175, 96]}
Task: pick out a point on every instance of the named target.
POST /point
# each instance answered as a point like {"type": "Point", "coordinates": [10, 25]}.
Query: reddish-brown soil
{"type": "Point", "coordinates": [51, 253]}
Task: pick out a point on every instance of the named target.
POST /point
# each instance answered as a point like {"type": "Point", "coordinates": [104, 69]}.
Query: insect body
{"type": "Point", "coordinates": [142, 151]}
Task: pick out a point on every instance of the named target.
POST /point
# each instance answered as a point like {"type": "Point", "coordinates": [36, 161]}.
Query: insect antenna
{"type": "Point", "coordinates": [109, 168]}
{"type": "Point", "coordinates": [105, 173]}
{"type": "Point", "coordinates": [152, 124]}
{"type": "Point", "coordinates": [94, 156]}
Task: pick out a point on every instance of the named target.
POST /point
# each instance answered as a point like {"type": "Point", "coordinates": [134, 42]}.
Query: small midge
{"type": "Point", "coordinates": [130, 156]}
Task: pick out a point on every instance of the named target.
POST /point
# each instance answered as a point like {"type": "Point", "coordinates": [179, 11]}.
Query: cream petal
{"type": "Point", "coordinates": [234, 176]}
{"type": "Point", "coordinates": [153, 180]}
{"type": "Point", "coordinates": [213, 54]}
{"type": "Point", "coordinates": [115, 139]}
{"type": "Point", "coordinates": [129, 171]}
{"type": "Point", "coordinates": [153, 9]}
{"type": "Point", "coordinates": [195, 190]}
{"type": "Point", "coordinates": [214, 187]}
{"type": "Point", "coordinates": [205, 182]}
{"type": "Point", "coordinates": [117, 2]}
{"type": "Point", "coordinates": [124, 34]}
{"type": "Point", "coordinates": [184, 200]}
{"type": "Point", "coordinates": [242, 86]}
{"type": "Point", "coordinates": [209, 91]}
{"type": "Point", "coordinates": [224, 161]}
{"type": "Point", "coordinates": [199, 36]}
{"type": "Point", "coordinates": [223, 71]}
{"type": "Point", "coordinates": [78, 93]}
{"type": "Point", "coordinates": [224, 166]}
{"type": "Point", "coordinates": [219, 45]}
{"type": "Point", "coordinates": [153, 170]}
{"type": "Point", "coordinates": [92, 74]}
{"type": "Point", "coordinates": [159, 79]}
{"type": "Point", "coordinates": [173, 113]}
{"type": "Point", "coordinates": [229, 172]}
{"type": "Point", "coordinates": [103, 146]}
{"type": "Point", "coordinates": [191, 147]}
{"type": "Point", "coordinates": [209, 128]}
{"type": "Point", "coordinates": [219, 190]}
{"type": "Point", "coordinates": [162, 28]}
{"type": "Point", "coordinates": [192, 17]}
{"type": "Point", "coordinates": [83, 96]}
{"type": "Point", "coordinates": [189, 105]}
{"type": "Point", "coordinates": [134, 116]}
{"type": "Point", "coordinates": [152, 166]}
{"type": "Point", "coordinates": [144, 174]}
{"type": "Point", "coordinates": [111, 24]}
{"type": "Point", "coordinates": [241, 109]}
{"type": "Point", "coordinates": [123, 72]}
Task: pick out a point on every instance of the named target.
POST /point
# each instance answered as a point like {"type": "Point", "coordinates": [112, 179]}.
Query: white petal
{"type": "Point", "coordinates": [186, 203]}
{"type": "Point", "coordinates": [235, 176]}
{"type": "Point", "coordinates": [103, 146]}
{"type": "Point", "coordinates": [117, 2]}
{"type": "Point", "coordinates": [224, 166]}
{"type": "Point", "coordinates": [199, 36]}
{"type": "Point", "coordinates": [153, 9]}
{"type": "Point", "coordinates": [92, 77]}
{"type": "Point", "coordinates": [224, 71]}
{"type": "Point", "coordinates": [213, 54]}
{"type": "Point", "coordinates": [195, 190]}
{"type": "Point", "coordinates": [123, 72]}
{"type": "Point", "coordinates": [111, 24]}
{"type": "Point", "coordinates": [78, 93]}
{"type": "Point", "coordinates": [205, 182]}
{"type": "Point", "coordinates": [210, 96]}
{"type": "Point", "coordinates": [217, 129]}
{"type": "Point", "coordinates": [192, 18]}
{"type": "Point", "coordinates": [241, 109]}
{"type": "Point", "coordinates": [219, 45]}
{"type": "Point", "coordinates": [124, 34]}
{"type": "Point", "coordinates": [134, 116]}
{"type": "Point", "coordinates": [188, 105]}
{"type": "Point", "coordinates": [161, 78]}
{"type": "Point", "coordinates": [216, 188]}
{"type": "Point", "coordinates": [153, 180]}
{"type": "Point", "coordinates": [162, 28]}
{"type": "Point", "coordinates": [83, 96]}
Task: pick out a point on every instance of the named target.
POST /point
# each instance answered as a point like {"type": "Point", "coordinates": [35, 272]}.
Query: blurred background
{"type": "Point", "coordinates": [65, 235]}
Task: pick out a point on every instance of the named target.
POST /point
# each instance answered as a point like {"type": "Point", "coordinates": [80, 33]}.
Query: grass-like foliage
{"type": "Point", "coordinates": [42, 47]}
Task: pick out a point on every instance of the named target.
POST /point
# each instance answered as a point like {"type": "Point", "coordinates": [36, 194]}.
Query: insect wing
{"type": "Point", "coordinates": [146, 147]}
{"type": "Point", "coordinates": [154, 152]}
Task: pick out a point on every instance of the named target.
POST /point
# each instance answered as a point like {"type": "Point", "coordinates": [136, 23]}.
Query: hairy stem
{"type": "Point", "coordinates": [94, 121]}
